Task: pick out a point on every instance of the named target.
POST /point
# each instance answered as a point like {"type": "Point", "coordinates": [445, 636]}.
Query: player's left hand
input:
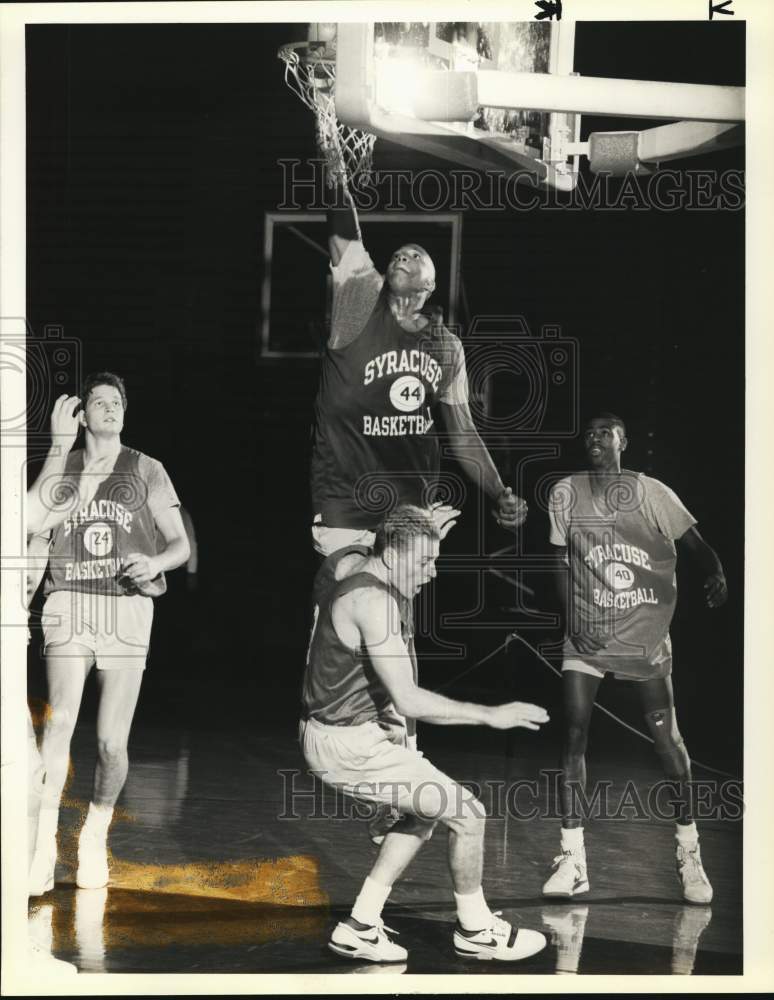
{"type": "Point", "coordinates": [445, 517]}
{"type": "Point", "coordinates": [511, 511]}
{"type": "Point", "coordinates": [140, 569]}
{"type": "Point", "coordinates": [715, 590]}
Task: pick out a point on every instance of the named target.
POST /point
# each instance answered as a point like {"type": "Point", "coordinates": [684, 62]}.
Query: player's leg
{"type": "Point", "coordinates": [119, 690]}
{"type": "Point", "coordinates": [657, 700]}
{"type": "Point", "coordinates": [119, 693]}
{"type": "Point", "coordinates": [67, 667]}
{"type": "Point", "coordinates": [479, 934]}
{"type": "Point", "coordinates": [569, 872]}
{"type": "Point", "coordinates": [123, 628]}
{"type": "Point", "coordinates": [579, 689]}
{"type": "Point", "coordinates": [424, 795]}
{"type": "Point", "coordinates": [36, 774]}
{"type": "Point", "coordinates": [362, 934]}
{"type": "Point", "coordinates": [39, 958]}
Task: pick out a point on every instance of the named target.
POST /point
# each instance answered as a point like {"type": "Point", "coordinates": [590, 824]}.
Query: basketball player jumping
{"type": "Point", "coordinates": [102, 574]}
{"type": "Point", "coordinates": [615, 531]}
{"type": "Point", "coordinates": [359, 684]}
{"type": "Point", "coordinates": [388, 371]}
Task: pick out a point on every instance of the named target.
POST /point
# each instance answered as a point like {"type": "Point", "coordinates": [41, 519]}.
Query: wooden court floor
{"type": "Point", "coordinates": [211, 872]}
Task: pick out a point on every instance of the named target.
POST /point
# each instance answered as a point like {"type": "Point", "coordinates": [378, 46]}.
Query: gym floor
{"type": "Point", "coordinates": [212, 873]}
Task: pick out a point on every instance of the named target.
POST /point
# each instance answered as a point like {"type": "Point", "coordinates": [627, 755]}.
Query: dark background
{"type": "Point", "coordinates": [152, 158]}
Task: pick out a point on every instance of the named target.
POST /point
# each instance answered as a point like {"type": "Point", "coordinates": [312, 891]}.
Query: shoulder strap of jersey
{"type": "Point", "coordinates": [127, 459]}
{"type": "Point", "coordinates": [360, 581]}
{"type": "Point", "coordinates": [335, 558]}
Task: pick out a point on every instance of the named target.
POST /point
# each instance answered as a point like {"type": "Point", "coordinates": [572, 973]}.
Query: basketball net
{"type": "Point", "coordinates": [311, 75]}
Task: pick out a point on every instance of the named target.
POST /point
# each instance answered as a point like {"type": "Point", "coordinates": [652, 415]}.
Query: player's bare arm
{"type": "Point", "coordinates": [472, 454]}
{"type": "Point", "coordinates": [141, 568]}
{"type": "Point", "coordinates": [705, 557]}
{"type": "Point", "coordinates": [377, 619]}
{"type": "Point", "coordinates": [47, 503]}
{"type": "Point", "coordinates": [343, 225]}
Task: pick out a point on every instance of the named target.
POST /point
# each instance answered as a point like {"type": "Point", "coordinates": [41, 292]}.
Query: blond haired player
{"type": "Point", "coordinates": [359, 687]}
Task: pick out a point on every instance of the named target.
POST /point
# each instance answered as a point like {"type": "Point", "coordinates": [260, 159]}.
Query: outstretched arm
{"type": "Point", "coordinates": [705, 557]}
{"type": "Point", "coordinates": [376, 616]}
{"type": "Point", "coordinates": [343, 224]}
{"type": "Point", "coordinates": [472, 454]}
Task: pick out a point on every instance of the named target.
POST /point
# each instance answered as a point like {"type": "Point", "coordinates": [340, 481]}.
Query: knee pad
{"type": "Point", "coordinates": [669, 744]}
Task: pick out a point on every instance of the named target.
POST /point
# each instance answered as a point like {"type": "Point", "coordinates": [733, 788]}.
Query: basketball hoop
{"type": "Point", "coordinates": [310, 72]}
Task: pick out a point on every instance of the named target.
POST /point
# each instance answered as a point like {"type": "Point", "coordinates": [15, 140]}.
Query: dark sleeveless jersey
{"type": "Point", "coordinates": [340, 686]}
{"type": "Point", "coordinates": [89, 549]}
{"type": "Point", "coordinates": [374, 442]}
{"type": "Point", "coordinates": [622, 573]}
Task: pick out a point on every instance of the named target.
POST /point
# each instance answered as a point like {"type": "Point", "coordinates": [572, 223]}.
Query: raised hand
{"type": "Point", "coordinates": [517, 713]}
{"type": "Point", "coordinates": [445, 517]}
{"type": "Point", "coordinates": [64, 421]}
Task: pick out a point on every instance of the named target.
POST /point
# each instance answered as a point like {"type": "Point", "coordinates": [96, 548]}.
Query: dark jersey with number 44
{"type": "Point", "coordinates": [375, 443]}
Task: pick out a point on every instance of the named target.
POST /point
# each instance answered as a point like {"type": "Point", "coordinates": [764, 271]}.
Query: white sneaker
{"type": "Point", "coordinates": [569, 875]}
{"type": "Point", "coordinates": [371, 943]}
{"type": "Point", "coordinates": [499, 941]}
{"type": "Point", "coordinates": [696, 885]}
{"type": "Point", "coordinates": [43, 963]}
{"type": "Point", "coordinates": [93, 871]}
{"type": "Point", "coordinates": [41, 876]}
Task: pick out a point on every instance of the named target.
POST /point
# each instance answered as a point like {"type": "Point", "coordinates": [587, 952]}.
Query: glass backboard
{"type": "Point", "coordinates": [385, 69]}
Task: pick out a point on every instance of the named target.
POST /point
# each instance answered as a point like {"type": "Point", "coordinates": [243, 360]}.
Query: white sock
{"type": "Point", "coordinates": [687, 835]}
{"type": "Point", "coordinates": [370, 902]}
{"type": "Point", "coordinates": [98, 819]}
{"type": "Point", "coordinates": [572, 840]}
{"type": "Point", "coordinates": [472, 910]}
